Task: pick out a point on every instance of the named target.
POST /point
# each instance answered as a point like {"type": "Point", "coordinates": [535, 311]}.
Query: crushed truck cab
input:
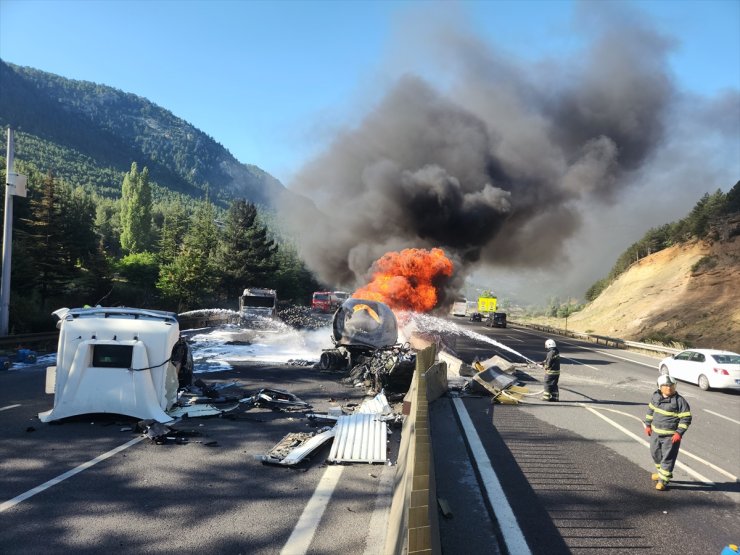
{"type": "Point", "coordinates": [116, 360]}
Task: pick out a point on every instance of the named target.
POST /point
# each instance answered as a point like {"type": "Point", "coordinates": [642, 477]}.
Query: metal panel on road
{"type": "Point", "coordinates": [359, 438]}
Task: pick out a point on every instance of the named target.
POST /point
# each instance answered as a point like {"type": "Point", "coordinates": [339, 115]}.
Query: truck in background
{"type": "Point", "coordinates": [328, 301]}
{"type": "Point", "coordinates": [258, 302]}
{"type": "Point", "coordinates": [487, 305]}
{"type": "Point", "coordinates": [321, 301]}
{"type": "Point", "coordinates": [459, 308]}
{"type": "Point", "coordinates": [338, 298]}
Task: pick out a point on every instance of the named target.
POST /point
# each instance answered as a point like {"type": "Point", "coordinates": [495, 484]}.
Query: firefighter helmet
{"type": "Point", "coordinates": [550, 344]}
{"type": "Point", "coordinates": [666, 379]}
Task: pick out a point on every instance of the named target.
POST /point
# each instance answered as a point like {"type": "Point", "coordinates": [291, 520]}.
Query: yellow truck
{"type": "Point", "coordinates": [487, 305]}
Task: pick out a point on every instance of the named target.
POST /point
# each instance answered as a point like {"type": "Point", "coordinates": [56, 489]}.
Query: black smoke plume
{"type": "Point", "coordinates": [493, 169]}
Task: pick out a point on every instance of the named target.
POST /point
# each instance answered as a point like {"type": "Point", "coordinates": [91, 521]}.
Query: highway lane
{"type": "Point", "coordinates": [117, 493]}
{"type": "Point", "coordinates": [577, 473]}
{"type": "Point", "coordinates": [574, 479]}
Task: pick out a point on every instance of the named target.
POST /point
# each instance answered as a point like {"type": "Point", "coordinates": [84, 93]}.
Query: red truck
{"type": "Point", "coordinates": [328, 301]}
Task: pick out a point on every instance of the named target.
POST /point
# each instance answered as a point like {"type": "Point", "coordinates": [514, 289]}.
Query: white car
{"type": "Point", "coordinates": [708, 368]}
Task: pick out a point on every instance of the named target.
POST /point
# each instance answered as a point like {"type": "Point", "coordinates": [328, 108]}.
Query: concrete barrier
{"type": "Point", "coordinates": [413, 527]}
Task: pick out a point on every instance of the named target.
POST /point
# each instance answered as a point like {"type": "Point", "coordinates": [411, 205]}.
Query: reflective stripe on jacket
{"type": "Point", "coordinates": [552, 362]}
{"type": "Point", "coordinates": [667, 415]}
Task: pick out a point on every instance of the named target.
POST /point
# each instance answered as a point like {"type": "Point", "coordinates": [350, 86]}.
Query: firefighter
{"type": "Point", "coordinates": [668, 417]}
{"type": "Point", "coordinates": [552, 372]}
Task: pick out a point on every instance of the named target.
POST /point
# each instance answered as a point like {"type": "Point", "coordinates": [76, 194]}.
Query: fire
{"type": "Point", "coordinates": [406, 280]}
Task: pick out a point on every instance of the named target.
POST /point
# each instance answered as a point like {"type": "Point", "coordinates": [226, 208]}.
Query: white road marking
{"type": "Point", "coordinates": [722, 416]}
{"type": "Point", "coordinates": [581, 363]}
{"type": "Point", "coordinates": [513, 537]}
{"type": "Point", "coordinates": [54, 481]}
{"type": "Point", "coordinates": [300, 540]}
{"type": "Point", "coordinates": [646, 444]}
{"type": "Point", "coordinates": [9, 407]}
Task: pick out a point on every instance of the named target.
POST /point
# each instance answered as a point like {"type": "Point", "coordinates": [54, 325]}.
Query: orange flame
{"type": "Point", "coordinates": [406, 280]}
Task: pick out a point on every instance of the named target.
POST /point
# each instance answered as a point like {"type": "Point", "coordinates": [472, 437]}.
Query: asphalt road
{"type": "Point", "coordinates": [576, 474]}
{"type": "Point", "coordinates": [199, 497]}
{"type": "Point", "coordinates": [571, 477]}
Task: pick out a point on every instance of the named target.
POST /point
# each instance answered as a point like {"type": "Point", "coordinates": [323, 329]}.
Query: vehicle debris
{"type": "Point", "coordinates": [160, 433]}
{"type": "Point", "coordinates": [295, 447]}
{"type": "Point", "coordinates": [502, 386]}
{"type": "Point", "coordinates": [360, 438]}
{"type": "Point", "coordinates": [276, 399]}
{"type": "Point", "coordinates": [201, 410]}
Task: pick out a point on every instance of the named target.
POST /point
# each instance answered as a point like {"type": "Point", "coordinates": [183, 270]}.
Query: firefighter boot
{"type": "Point", "coordinates": [655, 477]}
{"type": "Point", "coordinates": [661, 486]}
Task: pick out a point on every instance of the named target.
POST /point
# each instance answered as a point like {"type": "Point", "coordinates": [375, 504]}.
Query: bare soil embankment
{"type": "Point", "coordinates": [687, 293]}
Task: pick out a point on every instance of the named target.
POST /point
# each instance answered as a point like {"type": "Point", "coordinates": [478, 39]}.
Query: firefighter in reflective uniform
{"type": "Point", "coordinates": [552, 372]}
{"type": "Point", "coordinates": [668, 417]}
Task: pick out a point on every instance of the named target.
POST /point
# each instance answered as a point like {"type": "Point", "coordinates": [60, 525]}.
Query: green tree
{"type": "Point", "coordinates": [188, 280]}
{"type": "Point", "coordinates": [140, 272]}
{"type": "Point", "coordinates": [136, 211]}
{"type": "Point", "coordinates": [46, 246]}
{"type": "Point", "coordinates": [174, 227]}
{"type": "Point", "coordinates": [108, 225]}
{"type": "Point", "coordinates": [293, 281]}
{"type": "Point", "coordinates": [246, 253]}
{"type": "Point", "coordinates": [732, 199]}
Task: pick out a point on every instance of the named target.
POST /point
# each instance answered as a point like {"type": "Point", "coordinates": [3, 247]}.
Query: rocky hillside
{"type": "Point", "coordinates": [688, 293]}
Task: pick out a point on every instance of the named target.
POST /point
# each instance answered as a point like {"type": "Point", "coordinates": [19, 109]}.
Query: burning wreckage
{"type": "Point", "coordinates": [134, 362]}
{"type": "Point", "coordinates": [365, 336]}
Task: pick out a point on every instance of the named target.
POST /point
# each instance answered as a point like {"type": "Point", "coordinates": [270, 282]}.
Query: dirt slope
{"type": "Point", "coordinates": [661, 298]}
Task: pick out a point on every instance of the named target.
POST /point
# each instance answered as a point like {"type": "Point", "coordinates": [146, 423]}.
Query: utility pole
{"type": "Point", "coordinates": [15, 184]}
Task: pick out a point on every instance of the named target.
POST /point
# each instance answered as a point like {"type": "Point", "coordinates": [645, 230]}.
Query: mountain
{"type": "Point", "coordinates": [89, 134]}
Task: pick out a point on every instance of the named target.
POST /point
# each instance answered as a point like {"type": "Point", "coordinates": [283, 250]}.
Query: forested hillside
{"type": "Point", "coordinates": [89, 134]}
{"type": "Point", "coordinates": [129, 205]}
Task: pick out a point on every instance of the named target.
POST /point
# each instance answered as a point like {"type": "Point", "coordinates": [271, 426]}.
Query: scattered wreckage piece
{"type": "Point", "coordinates": [201, 409]}
{"type": "Point", "coordinates": [295, 447]}
{"type": "Point", "coordinates": [200, 399]}
{"type": "Point", "coordinates": [388, 369]}
{"type": "Point", "coordinates": [332, 414]}
{"type": "Point", "coordinates": [161, 433]}
{"type": "Point", "coordinates": [360, 438]}
{"type": "Point", "coordinates": [455, 365]}
{"type": "Point", "coordinates": [375, 405]}
{"type": "Point", "coordinates": [276, 399]}
{"type": "Point", "coordinates": [502, 364]}
{"type": "Point", "coordinates": [499, 384]}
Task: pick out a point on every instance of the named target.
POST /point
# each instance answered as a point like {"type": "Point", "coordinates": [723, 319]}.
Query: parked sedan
{"type": "Point", "coordinates": [708, 368]}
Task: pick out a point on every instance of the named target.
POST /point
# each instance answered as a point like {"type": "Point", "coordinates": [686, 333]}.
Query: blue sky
{"type": "Point", "coordinates": [281, 84]}
{"type": "Point", "coordinates": [272, 81]}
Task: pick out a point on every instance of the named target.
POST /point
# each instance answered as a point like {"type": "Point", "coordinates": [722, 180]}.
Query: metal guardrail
{"type": "Point", "coordinates": [29, 339]}
{"type": "Point", "coordinates": [602, 339]}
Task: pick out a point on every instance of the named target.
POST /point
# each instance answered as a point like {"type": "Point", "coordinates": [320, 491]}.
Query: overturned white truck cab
{"type": "Point", "coordinates": [126, 361]}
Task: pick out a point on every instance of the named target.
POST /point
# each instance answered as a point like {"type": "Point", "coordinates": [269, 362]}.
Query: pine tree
{"type": "Point", "coordinates": [246, 253]}
{"type": "Point", "coordinates": [46, 244]}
